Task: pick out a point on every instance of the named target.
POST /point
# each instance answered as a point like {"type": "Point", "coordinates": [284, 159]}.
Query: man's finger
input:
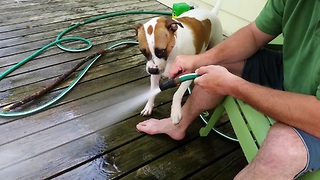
{"type": "Point", "coordinates": [202, 70]}
{"type": "Point", "coordinates": [175, 72]}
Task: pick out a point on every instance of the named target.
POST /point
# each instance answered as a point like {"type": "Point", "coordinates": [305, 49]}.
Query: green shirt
{"type": "Point", "coordinates": [299, 22]}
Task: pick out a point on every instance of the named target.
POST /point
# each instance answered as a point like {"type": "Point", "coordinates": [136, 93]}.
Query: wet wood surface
{"type": "Point", "coordinates": [90, 133]}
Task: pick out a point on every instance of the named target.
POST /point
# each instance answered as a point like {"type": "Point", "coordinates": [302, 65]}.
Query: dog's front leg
{"type": "Point", "coordinates": [154, 79]}
{"type": "Point", "coordinates": [176, 113]}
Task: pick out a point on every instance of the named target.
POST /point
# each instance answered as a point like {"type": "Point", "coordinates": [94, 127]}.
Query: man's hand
{"type": "Point", "coordinates": [298, 110]}
{"type": "Point", "coordinates": [183, 64]}
{"type": "Point", "coordinates": [216, 80]}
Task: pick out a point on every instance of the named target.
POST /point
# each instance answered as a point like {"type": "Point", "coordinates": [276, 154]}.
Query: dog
{"type": "Point", "coordinates": [161, 39]}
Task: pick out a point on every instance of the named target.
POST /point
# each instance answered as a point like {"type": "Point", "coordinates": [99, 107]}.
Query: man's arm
{"type": "Point", "coordinates": [239, 46]}
{"type": "Point", "coordinates": [298, 110]}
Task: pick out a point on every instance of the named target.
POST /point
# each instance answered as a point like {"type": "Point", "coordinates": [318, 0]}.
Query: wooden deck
{"type": "Point", "coordinates": [87, 134]}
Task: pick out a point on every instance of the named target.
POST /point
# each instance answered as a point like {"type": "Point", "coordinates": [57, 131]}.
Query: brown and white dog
{"type": "Point", "coordinates": [162, 39]}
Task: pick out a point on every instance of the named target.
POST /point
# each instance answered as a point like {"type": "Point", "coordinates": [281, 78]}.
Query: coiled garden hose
{"type": "Point", "coordinates": [57, 42]}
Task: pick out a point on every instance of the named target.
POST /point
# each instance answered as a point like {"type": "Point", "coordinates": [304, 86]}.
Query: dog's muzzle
{"type": "Point", "coordinates": [154, 71]}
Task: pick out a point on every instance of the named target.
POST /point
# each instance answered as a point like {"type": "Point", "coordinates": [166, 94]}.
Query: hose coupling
{"type": "Point", "coordinates": [171, 83]}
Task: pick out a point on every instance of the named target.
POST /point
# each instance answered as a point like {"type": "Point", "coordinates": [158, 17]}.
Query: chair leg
{"type": "Point", "coordinates": [241, 129]}
{"type": "Point", "coordinates": [212, 121]}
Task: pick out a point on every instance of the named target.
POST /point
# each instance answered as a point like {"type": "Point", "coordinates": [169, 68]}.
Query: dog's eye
{"type": "Point", "coordinates": [160, 53]}
{"type": "Point", "coordinates": [145, 53]}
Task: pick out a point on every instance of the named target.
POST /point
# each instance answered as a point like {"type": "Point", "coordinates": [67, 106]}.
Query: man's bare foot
{"type": "Point", "coordinates": [163, 126]}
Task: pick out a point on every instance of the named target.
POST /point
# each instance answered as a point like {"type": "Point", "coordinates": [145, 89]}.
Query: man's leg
{"type": "Point", "coordinates": [282, 156]}
{"type": "Point", "coordinates": [197, 102]}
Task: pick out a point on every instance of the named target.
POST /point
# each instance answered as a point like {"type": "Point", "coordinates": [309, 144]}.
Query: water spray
{"type": "Point", "coordinates": [171, 83]}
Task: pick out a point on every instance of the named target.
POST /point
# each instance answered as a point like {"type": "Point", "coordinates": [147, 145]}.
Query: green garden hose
{"type": "Point", "coordinates": [177, 81]}
{"type": "Point", "coordinates": [57, 42]}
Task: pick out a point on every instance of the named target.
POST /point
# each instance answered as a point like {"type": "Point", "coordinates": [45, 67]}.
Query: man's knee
{"type": "Point", "coordinates": [202, 98]}
{"type": "Point", "coordinates": [282, 152]}
{"type": "Point", "coordinates": [283, 141]}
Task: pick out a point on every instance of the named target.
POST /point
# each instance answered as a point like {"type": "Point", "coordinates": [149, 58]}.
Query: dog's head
{"type": "Point", "coordinates": [156, 41]}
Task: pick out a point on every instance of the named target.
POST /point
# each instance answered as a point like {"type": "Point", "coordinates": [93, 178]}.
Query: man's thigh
{"type": "Point", "coordinates": [282, 154]}
{"type": "Point", "coordinates": [265, 67]}
{"type": "Point", "coordinates": [235, 68]}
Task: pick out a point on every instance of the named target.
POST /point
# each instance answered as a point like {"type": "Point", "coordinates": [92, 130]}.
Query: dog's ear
{"type": "Point", "coordinates": [137, 27]}
{"type": "Point", "coordinates": [172, 25]}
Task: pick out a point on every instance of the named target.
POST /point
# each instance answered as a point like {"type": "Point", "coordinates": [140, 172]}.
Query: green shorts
{"type": "Point", "coordinates": [265, 68]}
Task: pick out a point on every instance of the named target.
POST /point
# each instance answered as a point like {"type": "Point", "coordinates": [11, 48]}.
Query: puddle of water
{"type": "Point", "coordinates": [102, 167]}
{"type": "Point", "coordinates": [105, 167]}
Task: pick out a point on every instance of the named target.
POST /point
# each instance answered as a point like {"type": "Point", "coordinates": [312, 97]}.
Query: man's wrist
{"type": "Point", "coordinates": [236, 87]}
{"type": "Point", "coordinates": [206, 58]}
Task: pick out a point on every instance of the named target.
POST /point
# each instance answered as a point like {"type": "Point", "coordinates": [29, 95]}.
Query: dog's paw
{"type": "Point", "coordinates": [146, 111]}
{"type": "Point", "coordinates": [176, 115]}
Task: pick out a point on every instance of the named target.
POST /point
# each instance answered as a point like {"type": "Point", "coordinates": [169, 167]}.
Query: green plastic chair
{"type": "Point", "coordinates": [250, 127]}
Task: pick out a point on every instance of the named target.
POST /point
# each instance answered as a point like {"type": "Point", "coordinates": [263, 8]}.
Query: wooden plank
{"type": "Point", "coordinates": [46, 30]}
{"type": "Point", "coordinates": [74, 151]}
{"type": "Point", "coordinates": [76, 102]}
{"type": "Point", "coordinates": [138, 66]}
{"type": "Point", "coordinates": [6, 51]}
{"type": "Point", "coordinates": [28, 26]}
{"type": "Point", "coordinates": [51, 33]}
{"type": "Point", "coordinates": [27, 67]}
{"type": "Point", "coordinates": [57, 57]}
{"type": "Point", "coordinates": [81, 90]}
{"type": "Point", "coordinates": [122, 160]}
{"type": "Point", "coordinates": [226, 168]}
{"type": "Point", "coordinates": [72, 122]}
{"type": "Point", "coordinates": [27, 89]}
{"type": "Point", "coordinates": [127, 56]}
{"type": "Point", "coordinates": [96, 36]}
{"type": "Point", "coordinates": [184, 161]}
{"type": "Point", "coordinates": [54, 71]}
{"type": "Point", "coordinates": [72, 11]}
{"type": "Point", "coordinates": [47, 6]}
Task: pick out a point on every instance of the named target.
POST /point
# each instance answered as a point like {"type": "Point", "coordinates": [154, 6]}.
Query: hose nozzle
{"type": "Point", "coordinates": [171, 83]}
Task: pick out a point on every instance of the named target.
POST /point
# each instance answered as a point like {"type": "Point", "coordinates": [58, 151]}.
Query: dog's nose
{"type": "Point", "coordinates": [153, 70]}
